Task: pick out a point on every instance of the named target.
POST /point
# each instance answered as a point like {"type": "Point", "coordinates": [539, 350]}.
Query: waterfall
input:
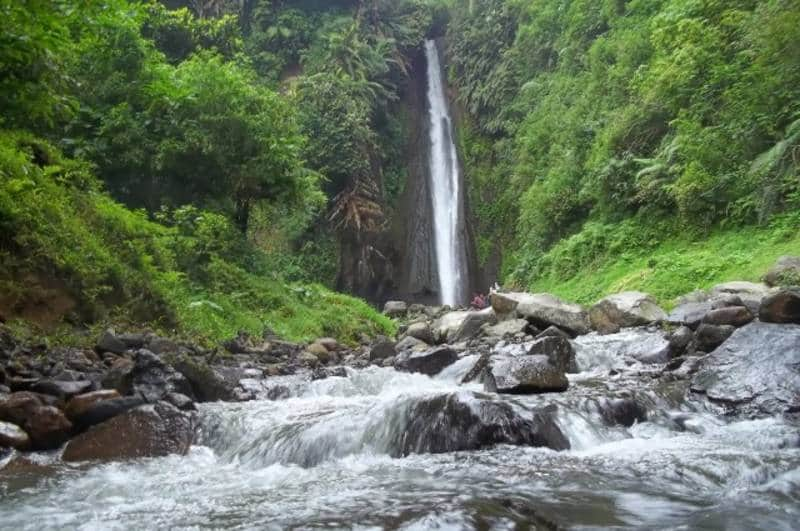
{"type": "Point", "coordinates": [445, 179]}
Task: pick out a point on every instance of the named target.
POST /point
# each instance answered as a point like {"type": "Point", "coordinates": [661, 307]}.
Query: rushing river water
{"type": "Point", "coordinates": [322, 459]}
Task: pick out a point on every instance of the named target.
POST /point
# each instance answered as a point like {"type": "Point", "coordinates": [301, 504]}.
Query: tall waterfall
{"type": "Point", "coordinates": [448, 210]}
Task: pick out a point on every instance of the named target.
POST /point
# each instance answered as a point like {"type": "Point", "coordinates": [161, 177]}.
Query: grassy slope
{"type": "Point", "coordinates": [677, 265]}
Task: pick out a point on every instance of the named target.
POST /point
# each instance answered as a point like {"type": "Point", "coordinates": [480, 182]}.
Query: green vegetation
{"type": "Point", "coordinates": [605, 134]}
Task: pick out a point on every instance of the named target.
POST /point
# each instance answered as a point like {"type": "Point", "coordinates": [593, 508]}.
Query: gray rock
{"type": "Point", "coordinates": [558, 351]}
{"type": "Point", "coordinates": [458, 326]}
{"type": "Point", "coordinates": [61, 389]}
{"type": "Point", "coordinates": [420, 330]}
{"type": "Point", "coordinates": [182, 402]}
{"type": "Point", "coordinates": [782, 307]}
{"type": "Point", "coordinates": [622, 411]}
{"type": "Point", "coordinates": [153, 430]}
{"type": "Point", "coordinates": [206, 383]}
{"type": "Point", "coordinates": [12, 436]}
{"type": "Point", "coordinates": [689, 314]}
{"type": "Point", "coordinates": [509, 327]}
{"type": "Point", "coordinates": [381, 349]}
{"type": "Point", "coordinates": [447, 423]}
{"type": "Point", "coordinates": [729, 315]}
{"type": "Point", "coordinates": [725, 302]}
{"type": "Point", "coordinates": [542, 310]}
{"type": "Point", "coordinates": [430, 362]}
{"type": "Point", "coordinates": [411, 343]}
{"type": "Point", "coordinates": [395, 308]}
{"type": "Point", "coordinates": [103, 410]}
{"type": "Point", "coordinates": [552, 331]}
{"type": "Point", "coordinates": [625, 310]}
{"type": "Point", "coordinates": [679, 340]}
{"type": "Point", "coordinates": [708, 336]}
{"type": "Point", "coordinates": [755, 372]}
{"type": "Point", "coordinates": [785, 272]}
{"type": "Point", "coordinates": [109, 342]}
{"type": "Point", "coordinates": [750, 293]}
{"type": "Point", "coordinates": [523, 375]}
{"type": "Point", "coordinates": [161, 346]}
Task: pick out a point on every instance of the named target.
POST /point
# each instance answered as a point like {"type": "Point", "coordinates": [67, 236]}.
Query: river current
{"type": "Point", "coordinates": [325, 457]}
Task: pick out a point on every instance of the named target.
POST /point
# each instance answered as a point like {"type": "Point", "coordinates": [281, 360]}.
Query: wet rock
{"type": "Point", "coordinates": [182, 402]}
{"type": "Point", "coordinates": [622, 412]}
{"type": "Point", "coordinates": [307, 359]}
{"type": "Point", "coordinates": [509, 327]}
{"type": "Point", "coordinates": [625, 310]}
{"type": "Point", "coordinates": [552, 331]}
{"type": "Point", "coordinates": [411, 343]}
{"type": "Point", "coordinates": [756, 372]}
{"type": "Point", "coordinates": [321, 373]}
{"type": "Point", "coordinates": [679, 340]}
{"type": "Point", "coordinates": [477, 370]}
{"type": "Point", "coordinates": [12, 436]}
{"type": "Point", "coordinates": [19, 406]}
{"type": "Point", "coordinates": [458, 326]}
{"type": "Point", "coordinates": [48, 428]}
{"type": "Point", "coordinates": [750, 293]}
{"type": "Point", "coordinates": [61, 389]}
{"type": "Point", "coordinates": [430, 362]}
{"type": "Point", "coordinates": [523, 375]}
{"type": "Point", "coordinates": [729, 315]}
{"type": "Point", "coordinates": [152, 430]}
{"type": "Point", "coordinates": [782, 307]}
{"type": "Point", "coordinates": [708, 336]}
{"type": "Point", "coordinates": [381, 349]}
{"type": "Point", "coordinates": [103, 410]}
{"type": "Point", "coordinates": [558, 351]}
{"type": "Point", "coordinates": [689, 314]}
{"type": "Point", "coordinates": [79, 405]}
{"type": "Point", "coordinates": [456, 422]}
{"type": "Point", "coordinates": [207, 384]}
{"type": "Point", "coordinates": [420, 330]}
{"type": "Point", "coordinates": [109, 342]}
{"type": "Point", "coordinates": [151, 378]}
{"type": "Point", "coordinates": [785, 272]}
{"type": "Point", "coordinates": [542, 310]}
{"type": "Point", "coordinates": [395, 309]}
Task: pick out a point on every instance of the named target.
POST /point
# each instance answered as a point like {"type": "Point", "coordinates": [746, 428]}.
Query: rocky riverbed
{"type": "Point", "coordinates": [532, 412]}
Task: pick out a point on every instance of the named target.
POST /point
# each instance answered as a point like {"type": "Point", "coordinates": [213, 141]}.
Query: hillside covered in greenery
{"type": "Point", "coordinates": [612, 145]}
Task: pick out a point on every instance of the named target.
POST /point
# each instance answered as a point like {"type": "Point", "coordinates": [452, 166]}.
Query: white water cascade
{"type": "Point", "coordinates": [445, 180]}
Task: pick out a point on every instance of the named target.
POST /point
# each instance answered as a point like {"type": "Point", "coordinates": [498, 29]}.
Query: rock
{"type": "Point", "coordinates": [319, 350]}
{"type": "Point", "coordinates": [119, 376]}
{"type": "Point", "coordinates": [308, 359]}
{"type": "Point", "coordinates": [182, 402]}
{"type": "Point", "coordinates": [458, 326]}
{"type": "Point", "coordinates": [750, 293]}
{"type": "Point", "coordinates": [690, 314]}
{"type": "Point", "coordinates": [19, 406]}
{"type": "Point", "coordinates": [79, 405]}
{"type": "Point", "coordinates": [161, 346]}
{"type": "Point", "coordinates": [624, 310]}
{"type": "Point", "coordinates": [151, 378]}
{"type": "Point", "coordinates": [553, 331]}
{"type": "Point", "coordinates": [321, 373]}
{"type": "Point", "coordinates": [622, 411]}
{"type": "Point", "coordinates": [207, 384]}
{"type": "Point", "coordinates": [523, 375]}
{"type": "Point", "coordinates": [153, 430]}
{"type": "Point", "coordinates": [756, 372]}
{"type": "Point", "coordinates": [411, 343]}
{"type": "Point", "coordinates": [381, 349]}
{"type": "Point", "coordinates": [478, 369]}
{"type": "Point", "coordinates": [395, 309]}
{"type": "Point", "coordinates": [430, 362]}
{"type": "Point", "coordinates": [725, 302]}
{"type": "Point", "coordinates": [785, 272]}
{"type": "Point", "coordinates": [543, 310]}
{"type": "Point", "coordinates": [12, 436]}
{"type": "Point", "coordinates": [782, 307]}
{"type": "Point", "coordinates": [729, 315]}
{"type": "Point", "coordinates": [105, 409]}
{"type": "Point", "coordinates": [61, 389]}
{"type": "Point", "coordinates": [459, 422]}
{"type": "Point", "coordinates": [709, 337]}
{"type": "Point", "coordinates": [329, 343]}
{"type": "Point", "coordinates": [109, 342]}
{"type": "Point", "coordinates": [558, 351]}
{"type": "Point", "coordinates": [420, 330]}
{"type": "Point", "coordinates": [509, 327]}
{"type": "Point", "coordinates": [48, 428]}
{"type": "Point", "coordinates": [679, 340]}
{"type": "Point", "coordinates": [132, 341]}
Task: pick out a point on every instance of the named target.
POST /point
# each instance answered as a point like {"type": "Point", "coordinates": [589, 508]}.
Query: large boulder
{"type": "Point", "coordinates": [622, 411]}
{"type": "Point", "coordinates": [420, 330]}
{"type": "Point", "coordinates": [430, 362]}
{"type": "Point", "coordinates": [79, 405]}
{"type": "Point", "coordinates": [782, 307]}
{"type": "Point", "coordinates": [785, 272]}
{"type": "Point", "coordinates": [207, 384]}
{"type": "Point", "coordinates": [625, 310]}
{"type": "Point", "coordinates": [457, 422]}
{"type": "Point", "coordinates": [152, 430]}
{"type": "Point", "coordinates": [755, 372]}
{"type": "Point", "coordinates": [507, 328]}
{"type": "Point", "coordinates": [690, 314]}
{"type": "Point", "coordinates": [729, 315]}
{"type": "Point", "coordinates": [457, 326]}
{"type": "Point", "coordinates": [12, 436]}
{"type": "Point", "coordinates": [558, 351]}
{"type": "Point", "coordinates": [523, 375]}
{"type": "Point", "coordinates": [751, 293]}
{"type": "Point", "coordinates": [147, 376]}
{"type": "Point", "coordinates": [18, 407]}
{"type": "Point", "coordinates": [395, 309]}
{"type": "Point", "coordinates": [101, 410]}
{"type": "Point", "coordinates": [542, 310]}
{"type": "Point", "coordinates": [48, 428]}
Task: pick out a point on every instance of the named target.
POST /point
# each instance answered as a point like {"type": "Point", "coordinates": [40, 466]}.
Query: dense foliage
{"type": "Point", "coordinates": [647, 119]}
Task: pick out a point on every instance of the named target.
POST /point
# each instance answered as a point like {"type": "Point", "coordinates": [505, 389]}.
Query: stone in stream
{"type": "Point", "coordinates": [622, 411]}
{"type": "Point", "coordinates": [458, 422]}
{"type": "Point", "coordinates": [523, 375]}
{"type": "Point", "coordinates": [625, 310]}
{"type": "Point", "coordinates": [689, 314]}
{"type": "Point", "coordinates": [420, 330]}
{"type": "Point", "coordinates": [103, 410]}
{"type": "Point", "coordinates": [782, 307]}
{"type": "Point", "coordinates": [207, 384]}
{"type": "Point", "coordinates": [729, 315]}
{"type": "Point", "coordinates": [12, 436]}
{"type": "Point", "coordinates": [542, 310]}
{"type": "Point", "coordinates": [457, 326]}
{"type": "Point", "coordinates": [785, 272]}
{"type": "Point", "coordinates": [48, 428]}
{"type": "Point", "coordinates": [430, 362]}
{"type": "Point", "coordinates": [708, 336]}
{"type": "Point", "coordinates": [756, 372]}
{"type": "Point", "coordinates": [152, 430]}
{"type": "Point", "coordinates": [382, 348]}
{"type": "Point", "coordinates": [558, 351]}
